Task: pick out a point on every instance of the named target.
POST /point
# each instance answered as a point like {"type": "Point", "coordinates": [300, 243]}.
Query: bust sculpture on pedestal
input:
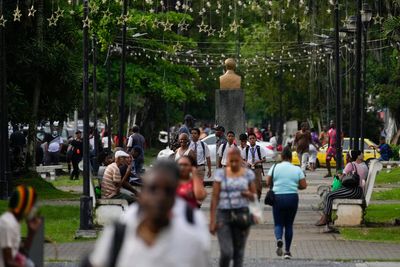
{"type": "Point", "coordinates": [230, 80]}
{"type": "Point", "coordinates": [229, 100]}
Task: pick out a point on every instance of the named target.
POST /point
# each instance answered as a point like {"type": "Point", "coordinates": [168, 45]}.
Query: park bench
{"type": "Point", "coordinates": [51, 169]}
{"type": "Point", "coordinates": [350, 212]}
{"type": "Point", "coordinates": [390, 164]}
{"type": "Point", "coordinates": [105, 210]}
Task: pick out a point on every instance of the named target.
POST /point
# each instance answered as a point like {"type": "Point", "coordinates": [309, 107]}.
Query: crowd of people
{"type": "Point", "coordinates": [164, 222]}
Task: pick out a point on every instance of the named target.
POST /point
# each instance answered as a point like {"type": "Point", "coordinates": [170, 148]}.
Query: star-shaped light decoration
{"type": "Point", "coordinates": [234, 26]}
{"type": "Point", "coordinates": [107, 13]}
{"type": "Point", "coordinates": [202, 27]}
{"type": "Point", "coordinates": [31, 11]}
{"type": "Point", "coordinates": [272, 24]}
{"type": "Point", "coordinates": [17, 14]}
{"type": "Point", "coordinates": [52, 20]}
{"type": "Point", "coordinates": [329, 11]}
{"type": "Point", "coordinates": [183, 26]}
{"type": "Point", "coordinates": [210, 31]}
{"type": "Point", "coordinates": [177, 47]}
{"type": "Point", "coordinates": [121, 20]}
{"type": "Point", "coordinates": [2, 21]}
{"type": "Point", "coordinates": [294, 19]}
{"type": "Point", "coordinates": [345, 21]}
{"type": "Point", "coordinates": [59, 13]}
{"type": "Point", "coordinates": [221, 33]}
{"type": "Point", "coordinates": [304, 24]}
{"type": "Point", "coordinates": [94, 8]}
{"type": "Point", "coordinates": [167, 25]}
{"type": "Point", "coordinates": [155, 23]}
{"type": "Point", "coordinates": [378, 19]}
{"type": "Point", "coordinates": [143, 21]}
{"type": "Point", "coordinates": [87, 22]}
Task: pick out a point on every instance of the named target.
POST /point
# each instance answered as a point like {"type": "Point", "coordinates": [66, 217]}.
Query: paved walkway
{"type": "Point", "coordinates": [309, 247]}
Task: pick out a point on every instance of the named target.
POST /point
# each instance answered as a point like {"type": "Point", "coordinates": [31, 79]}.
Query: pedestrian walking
{"type": "Point", "coordinates": [22, 206]}
{"type": "Point", "coordinates": [184, 149]}
{"type": "Point", "coordinates": [76, 146]}
{"type": "Point", "coordinates": [254, 157]}
{"type": "Point", "coordinates": [285, 179]}
{"type": "Point", "coordinates": [151, 235]}
{"type": "Point", "coordinates": [302, 143]}
{"type": "Point", "coordinates": [313, 150]}
{"type": "Point", "coordinates": [243, 144]}
{"type": "Point", "coordinates": [221, 139]}
{"type": "Point", "coordinates": [188, 124]}
{"type": "Point", "coordinates": [202, 154]}
{"type": "Point", "coordinates": [331, 151]}
{"type": "Point", "coordinates": [190, 186]}
{"type": "Point", "coordinates": [135, 139]}
{"type": "Point", "coordinates": [224, 149]}
{"type": "Point", "coordinates": [233, 188]}
{"type": "Point", "coordinates": [323, 136]}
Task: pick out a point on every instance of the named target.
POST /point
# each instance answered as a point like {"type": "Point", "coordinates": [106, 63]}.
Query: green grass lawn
{"type": "Point", "coordinates": [64, 180]}
{"type": "Point", "coordinates": [61, 222]}
{"type": "Point", "coordinates": [392, 194]}
{"type": "Point", "coordinates": [388, 234]}
{"type": "Point", "coordinates": [392, 177]}
{"type": "Point", "coordinates": [384, 213]}
{"type": "Point", "coordinates": [45, 189]}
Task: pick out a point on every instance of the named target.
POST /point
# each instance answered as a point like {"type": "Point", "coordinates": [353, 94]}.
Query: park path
{"type": "Point", "coordinates": [310, 243]}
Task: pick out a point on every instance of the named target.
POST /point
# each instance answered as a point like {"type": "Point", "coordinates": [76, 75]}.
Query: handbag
{"type": "Point", "coordinates": [351, 180]}
{"type": "Point", "coordinates": [240, 218]}
{"type": "Point", "coordinates": [336, 184]}
{"type": "Point", "coordinates": [270, 196]}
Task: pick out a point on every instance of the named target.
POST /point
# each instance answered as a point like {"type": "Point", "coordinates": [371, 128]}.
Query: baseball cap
{"type": "Point", "coordinates": [220, 128]}
{"type": "Point", "coordinates": [189, 117]}
{"type": "Point", "coordinates": [121, 153]}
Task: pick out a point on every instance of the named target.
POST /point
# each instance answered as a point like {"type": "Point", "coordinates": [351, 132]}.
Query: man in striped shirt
{"type": "Point", "coordinates": [112, 180]}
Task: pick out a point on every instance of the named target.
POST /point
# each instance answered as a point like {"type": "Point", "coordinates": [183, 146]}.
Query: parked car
{"type": "Point", "coordinates": [211, 141]}
{"type": "Point", "coordinates": [369, 153]}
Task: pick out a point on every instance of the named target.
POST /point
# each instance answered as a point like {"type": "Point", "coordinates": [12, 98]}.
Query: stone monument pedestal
{"type": "Point", "coordinates": [229, 110]}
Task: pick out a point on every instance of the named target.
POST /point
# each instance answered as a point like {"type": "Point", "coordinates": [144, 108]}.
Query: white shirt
{"type": "Point", "coordinates": [223, 160]}
{"type": "Point", "coordinates": [54, 145]}
{"type": "Point", "coordinates": [197, 147]}
{"type": "Point", "coordinates": [176, 246]}
{"type": "Point", "coordinates": [253, 152]}
{"type": "Point", "coordinates": [10, 235]}
{"type": "Point", "coordinates": [242, 150]}
{"type": "Point", "coordinates": [104, 141]}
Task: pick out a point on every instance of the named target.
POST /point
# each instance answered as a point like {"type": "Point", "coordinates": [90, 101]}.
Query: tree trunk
{"type": "Point", "coordinates": [31, 155]}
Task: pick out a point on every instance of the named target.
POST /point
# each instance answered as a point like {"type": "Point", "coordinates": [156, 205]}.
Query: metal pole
{"type": "Point", "coordinates": [364, 88]}
{"type": "Point", "coordinates": [109, 129]}
{"type": "Point", "coordinates": [122, 82]}
{"type": "Point", "coordinates": [338, 92]}
{"type": "Point", "coordinates": [357, 92]}
{"type": "Point", "coordinates": [95, 131]}
{"type": "Point", "coordinates": [4, 159]}
{"type": "Point", "coordinates": [85, 201]}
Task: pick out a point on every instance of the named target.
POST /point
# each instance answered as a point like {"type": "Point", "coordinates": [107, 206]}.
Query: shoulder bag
{"type": "Point", "coordinates": [270, 197]}
{"type": "Point", "coordinates": [241, 217]}
{"type": "Point", "coordinates": [351, 180]}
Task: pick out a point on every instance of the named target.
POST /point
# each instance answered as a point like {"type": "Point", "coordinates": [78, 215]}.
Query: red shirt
{"type": "Point", "coordinates": [185, 191]}
{"type": "Point", "coordinates": [332, 137]}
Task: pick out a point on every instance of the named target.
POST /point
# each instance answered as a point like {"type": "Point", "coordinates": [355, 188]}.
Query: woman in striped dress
{"type": "Point", "coordinates": [356, 163]}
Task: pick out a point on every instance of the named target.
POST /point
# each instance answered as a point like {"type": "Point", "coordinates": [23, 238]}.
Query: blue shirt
{"type": "Point", "coordinates": [286, 178]}
{"type": "Point", "coordinates": [384, 149]}
{"type": "Point", "coordinates": [230, 196]}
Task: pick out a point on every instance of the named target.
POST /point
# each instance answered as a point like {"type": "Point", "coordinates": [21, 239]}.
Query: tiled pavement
{"type": "Point", "coordinates": [310, 245]}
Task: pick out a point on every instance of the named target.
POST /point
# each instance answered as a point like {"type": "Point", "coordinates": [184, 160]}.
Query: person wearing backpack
{"type": "Point", "coordinates": [254, 157]}
{"type": "Point", "coordinates": [223, 150]}
{"type": "Point", "coordinates": [202, 154]}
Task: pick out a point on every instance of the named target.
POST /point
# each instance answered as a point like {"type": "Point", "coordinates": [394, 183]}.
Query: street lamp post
{"type": "Point", "coordinates": [95, 132]}
{"type": "Point", "coordinates": [338, 91]}
{"type": "Point", "coordinates": [358, 77]}
{"type": "Point", "coordinates": [86, 201]}
{"type": "Point", "coordinates": [366, 16]}
{"type": "Point", "coordinates": [4, 166]}
{"type": "Point", "coordinates": [122, 80]}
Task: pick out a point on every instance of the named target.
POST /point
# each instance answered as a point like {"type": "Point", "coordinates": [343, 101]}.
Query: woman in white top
{"type": "Point", "coordinates": [184, 149]}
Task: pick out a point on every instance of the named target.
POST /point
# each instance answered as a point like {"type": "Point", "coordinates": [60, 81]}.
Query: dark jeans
{"type": "Point", "coordinates": [284, 211]}
{"type": "Point", "coordinates": [75, 166]}
{"type": "Point", "coordinates": [232, 240]}
{"type": "Point", "coordinates": [53, 158]}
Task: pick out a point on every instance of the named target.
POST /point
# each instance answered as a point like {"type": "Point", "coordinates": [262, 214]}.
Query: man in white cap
{"type": "Point", "coordinates": [112, 180]}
